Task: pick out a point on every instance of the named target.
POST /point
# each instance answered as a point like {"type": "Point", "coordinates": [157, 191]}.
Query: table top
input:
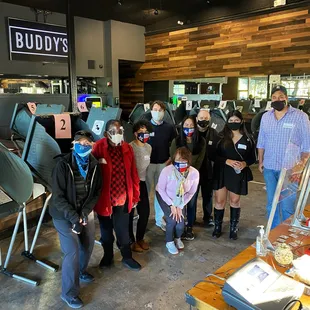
{"type": "Point", "coordinates": [205, 295]}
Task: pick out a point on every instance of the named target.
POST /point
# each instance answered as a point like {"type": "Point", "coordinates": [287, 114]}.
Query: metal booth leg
{"type": "Point", "coordinates": [29, 254]}
{"type": "Point", "coordinates": [3, 269]}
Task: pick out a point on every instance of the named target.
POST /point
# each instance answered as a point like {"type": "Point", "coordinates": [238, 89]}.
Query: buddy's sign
{"type": "Point", "coordinates": [30, 41]}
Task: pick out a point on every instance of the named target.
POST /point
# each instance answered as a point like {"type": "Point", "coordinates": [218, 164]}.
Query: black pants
{"type": "Point", "coordinates": [206, 193]}
{"type": "Point", "coordinates": [119, 221]}
{"type": "Point", "coordinates": [143, 209]}
{"type": "Point", "coordinates": [77, 250]}
{"type": "Point", "coordinates": [173, 229]}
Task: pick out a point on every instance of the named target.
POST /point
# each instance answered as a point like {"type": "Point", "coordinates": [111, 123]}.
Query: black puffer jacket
{"type": "Point", "coordinates": [63, 202]}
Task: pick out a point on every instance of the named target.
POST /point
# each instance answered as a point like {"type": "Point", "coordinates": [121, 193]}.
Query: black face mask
{"type": "Point", "coordinates": [278, 105]}
{"type": "Point", "coordinates": [203, 124]}
{"type": "Point", "coordinates": [234, 126]}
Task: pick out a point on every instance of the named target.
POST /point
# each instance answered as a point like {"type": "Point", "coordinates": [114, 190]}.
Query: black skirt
{"type": "Point", "coordinates": [225, 176]}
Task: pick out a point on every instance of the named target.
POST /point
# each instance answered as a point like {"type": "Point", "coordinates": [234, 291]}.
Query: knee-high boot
{"type": "Point", "coordinates": [234, 221]}
{"type": "Point", "coordinates": [218, 221]}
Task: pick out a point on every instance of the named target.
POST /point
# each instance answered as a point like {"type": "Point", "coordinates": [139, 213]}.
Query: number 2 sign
{"type": "Point", "coordinates": [62, 126]}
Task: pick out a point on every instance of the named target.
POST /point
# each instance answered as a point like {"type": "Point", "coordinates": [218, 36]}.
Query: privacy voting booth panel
{"type": "Point", "coordinates": [42, 146]}
{"type": "Point", "coordinates": [244, 106]}
{"type": "Point", "coordinates": [136, 113]}
{"type": "Point", "coordinates": [98, 118]}
{"type": "Point", "coordinates": [21, 118]}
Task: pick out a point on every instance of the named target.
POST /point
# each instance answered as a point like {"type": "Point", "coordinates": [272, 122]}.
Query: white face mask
{"type": "Point", "coordinates": [116, 139]}
{"type": "Point", "coordinates": [158, 115]}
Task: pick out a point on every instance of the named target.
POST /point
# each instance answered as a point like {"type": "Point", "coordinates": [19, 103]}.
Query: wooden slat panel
{"type": "Point", "coordinates": [276, 43]}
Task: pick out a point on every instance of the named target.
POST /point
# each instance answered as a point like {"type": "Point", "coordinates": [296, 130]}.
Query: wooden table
{"type": "Point", "coordinates": [209, 296]}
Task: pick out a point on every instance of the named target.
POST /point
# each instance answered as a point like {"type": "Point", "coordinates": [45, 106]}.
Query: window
{"type": "Point", "coordinates": [179, 89]}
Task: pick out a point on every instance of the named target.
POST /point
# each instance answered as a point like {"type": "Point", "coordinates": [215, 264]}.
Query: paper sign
{"type": "Point", "coordinates": [98, 127]}
{"type": "Point", "coordinates": [257, 103]}
{"type": "Point", "coordinates": [268, 106]}
{"type": "Point", "coordinates": [82, 106]}
{"type": "Point", "coordinates": [189, 105]}
{"type": "Point", "coordinates": [214, 126]}
{"type": "Point", "coordinates": [32, 107]}
{"type": "Point", "coordinates": [146, 107]}
{"type": "Point", "coordinates": [184, 98]}
{"type": "Point", "coordinates": [96, 104]}
{"type": "Point", "coordinates": [223, 105]}
{"type": "Point", "coordinates": [62, 126]}
{"type": "Point", "coordinates": [239, 108]}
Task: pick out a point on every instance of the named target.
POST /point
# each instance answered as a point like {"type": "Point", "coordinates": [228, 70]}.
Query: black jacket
{"type": "Point", "coordinates": [211, 136]}
{"type": "Point", "coordinates": [63, 202]}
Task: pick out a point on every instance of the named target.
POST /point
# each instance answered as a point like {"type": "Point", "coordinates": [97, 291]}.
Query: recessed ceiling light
{"type": "Point", "coordinates": [119, 2]}
{"type": "Point", "coordinates": [180, 22]}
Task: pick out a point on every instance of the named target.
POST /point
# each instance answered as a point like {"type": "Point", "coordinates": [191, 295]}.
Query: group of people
{"type": "Point", "coordinates": [114, 179]}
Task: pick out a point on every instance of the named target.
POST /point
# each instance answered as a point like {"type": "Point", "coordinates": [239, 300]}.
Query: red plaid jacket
{"type": "Point", "coordinates": [100, 151]}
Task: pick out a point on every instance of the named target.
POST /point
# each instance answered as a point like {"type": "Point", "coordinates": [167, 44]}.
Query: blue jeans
{"type": "Point", "coordinates": [286, 207]}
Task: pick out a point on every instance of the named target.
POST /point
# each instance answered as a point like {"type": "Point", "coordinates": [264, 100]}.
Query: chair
{"type": "Point", "coordinates": [17, 182]}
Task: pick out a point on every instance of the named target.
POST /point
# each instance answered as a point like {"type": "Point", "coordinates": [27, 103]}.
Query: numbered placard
{"type": "Point", "coordinates": [268, 106]}
{"type": "Point", "coordinates": [146, 107]}
{"type": "Point", "coordinates": [189, 105]}
{"type": "Point", "coordinates": [223, 105]}
{"type": "Point", "coordinates": [82, 107]}
{"type": "Point", "coordinates": [257, 103]}
{"type": "Point", "coordinates": [239, 108]}
{"type": "Point", "coordinates": [98, 127]}
{"type": "Point", "coordinates": [214, 126]}
{"type": "Point", "coordinates": [62, 126]}
{"type": "Point", "coordinates": [32, 107]}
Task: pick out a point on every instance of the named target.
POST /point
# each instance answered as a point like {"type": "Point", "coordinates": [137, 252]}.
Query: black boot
{"type": "Point", "coordinates": [127, 260]}
{"type": "Point", "coordinates": [218, 221]}
{"type": "Point", "coordinates": [234, 221]}
{"type": "Point", "coordinates": [108, 255]}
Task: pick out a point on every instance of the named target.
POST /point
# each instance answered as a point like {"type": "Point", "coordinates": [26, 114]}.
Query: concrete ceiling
{"type": "Point", "coordinates": [142, 12]}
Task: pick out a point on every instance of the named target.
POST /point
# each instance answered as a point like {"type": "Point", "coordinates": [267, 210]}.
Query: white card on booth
{"type": "Point", "coordinates": [189, 105]}
{"type": "Point", "coordinates": [257, 103]}
{"type": "Point", "coordinates": [223, 105]}
{"type": "Point", "coordinates": [98, 127]}
{"type": "Point", "coordinates": [268, 106]}
{"type": "Point", "coordinates": [146, 107]}
{"type": "Point", "coordinates": [214, 126]}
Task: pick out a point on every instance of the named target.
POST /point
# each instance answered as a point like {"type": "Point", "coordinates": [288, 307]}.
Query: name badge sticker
{"type": "Point", "coordinates": [147, 157]}
{"type": "Point", "coordinates": [152, 134]}
{"type": "Point", "coordinates": [288, 125]}
{"type": "Point", "coordinates": [242, 146]}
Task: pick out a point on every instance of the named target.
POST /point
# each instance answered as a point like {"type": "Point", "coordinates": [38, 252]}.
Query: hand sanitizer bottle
{"type": "Point", "coordinates": [261, 243]}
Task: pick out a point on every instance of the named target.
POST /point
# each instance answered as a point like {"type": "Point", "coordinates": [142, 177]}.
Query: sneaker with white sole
{"type": "Point", "coordinates": [179, 244]}
{"type": "Point", "coordinates": [172, 248]}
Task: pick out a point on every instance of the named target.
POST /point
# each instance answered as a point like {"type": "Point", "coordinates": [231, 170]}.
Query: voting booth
{"type": "Point", "coordinates": [98, 118]}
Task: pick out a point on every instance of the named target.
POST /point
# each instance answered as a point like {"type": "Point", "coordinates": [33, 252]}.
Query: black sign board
{"type": "Point", "coordinates": [32, 41]}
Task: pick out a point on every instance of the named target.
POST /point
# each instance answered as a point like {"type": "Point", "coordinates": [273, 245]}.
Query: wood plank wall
{"type": "Point", "coordinates": [277, 43]}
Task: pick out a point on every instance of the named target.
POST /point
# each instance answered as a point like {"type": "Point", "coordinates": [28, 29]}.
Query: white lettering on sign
{"type": "Point", "coordinates": [19, 40]}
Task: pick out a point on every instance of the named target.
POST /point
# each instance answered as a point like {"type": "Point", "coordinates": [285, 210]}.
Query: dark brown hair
{"type": "Point", "coordinates": [160, 103]}
{"type": "Point", "coordinates": [184, 153]}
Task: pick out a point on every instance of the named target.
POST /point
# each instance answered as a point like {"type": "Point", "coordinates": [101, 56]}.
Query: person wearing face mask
{"type": "Point", "coordinates": [120, 193]}
{"type": "Point", "coordinates": [160, 140]}
{"type": "Point", "coordinates": [235, 153]}
{"type": "Point", "coordinates": [142, 151]}
{"type": "Point", "coordinates": [279, 127]}
{"type": "Point", "coordinates": [176, 186]}
{"type": "Point", "coordinates": [206, 170]}
{"type": "Point", "coordinates": [189, 137]}
{"type": "Point", "coordinates": [76, 185]}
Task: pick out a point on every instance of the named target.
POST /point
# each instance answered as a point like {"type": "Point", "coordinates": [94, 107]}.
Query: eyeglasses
{"type": "Point", "coordinates": [114, 131]}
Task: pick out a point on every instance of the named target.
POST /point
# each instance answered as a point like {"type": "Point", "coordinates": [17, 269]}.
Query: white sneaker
{"type": "Point", "coordinates": [172, 248]}
{"type": "Point", "coordinates": [179, 244]}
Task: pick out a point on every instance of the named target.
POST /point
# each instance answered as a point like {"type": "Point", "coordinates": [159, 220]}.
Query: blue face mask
{"type": "Point", "coordinates": [82, 150]}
